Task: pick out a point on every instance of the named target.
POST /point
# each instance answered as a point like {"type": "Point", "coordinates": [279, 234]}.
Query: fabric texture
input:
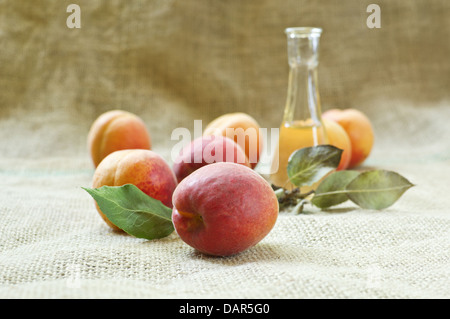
{"type": "Point", "coordinates": [172, 62]}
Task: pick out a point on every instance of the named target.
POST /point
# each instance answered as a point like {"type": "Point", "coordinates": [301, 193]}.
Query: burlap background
{"type": "Point", "coordinates": [173, 61]}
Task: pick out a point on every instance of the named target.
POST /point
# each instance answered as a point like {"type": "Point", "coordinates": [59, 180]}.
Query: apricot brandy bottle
{"type": "Point", "coordinates": [302, 124]}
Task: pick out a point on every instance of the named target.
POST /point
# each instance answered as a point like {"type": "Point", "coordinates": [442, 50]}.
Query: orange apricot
{"type": "Point", "coordinates": [145, 169]}
{"type": "Point", "coordinates": [116, 130]}
{"type": "Point", "coordinates": [339, 138]}
{"type": "Point", "coordinates": [359, 130]}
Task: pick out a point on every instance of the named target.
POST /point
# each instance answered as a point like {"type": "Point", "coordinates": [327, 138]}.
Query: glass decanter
{"type": "Point", "coordinates": [302, 124]}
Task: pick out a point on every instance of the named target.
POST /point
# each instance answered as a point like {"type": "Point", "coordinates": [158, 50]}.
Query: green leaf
{"type": "Point", "coordinates": [308, 165]}
{"type": "Point", "coordinates": [377, 189]}
{"type": "Point", "coordinates": [133, 211]}
{"type": "Point", "coordinates": [331, 191]}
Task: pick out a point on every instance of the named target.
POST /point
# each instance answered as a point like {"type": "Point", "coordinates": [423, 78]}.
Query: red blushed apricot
{"type": "Point", "coordinates": [207, 150]}
{"type": "Point", "coordinates": [224, 208]}
{"type": "Point", "coordinates": [116, 130]}
{"type": "Point", "coordinates": [143, 168]}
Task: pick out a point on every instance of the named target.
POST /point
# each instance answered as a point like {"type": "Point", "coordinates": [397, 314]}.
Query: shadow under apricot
{"type": "Point", "coordinates": [261, 252]}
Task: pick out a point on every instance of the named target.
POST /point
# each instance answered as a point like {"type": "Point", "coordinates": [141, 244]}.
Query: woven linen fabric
{"type": "Point", "coordinates": [172, 62]}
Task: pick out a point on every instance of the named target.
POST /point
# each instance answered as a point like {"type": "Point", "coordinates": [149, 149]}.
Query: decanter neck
{"type": "Point", "coordinates": [303, 101]}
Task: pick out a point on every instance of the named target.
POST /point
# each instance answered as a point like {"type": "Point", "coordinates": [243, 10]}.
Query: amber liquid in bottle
{"type": "Point", "coordinates": [294, 136]}
{"type": "Point", "coordinates": [302, 124]}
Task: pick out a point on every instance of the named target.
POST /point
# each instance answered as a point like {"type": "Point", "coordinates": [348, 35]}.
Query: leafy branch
{"type": "Point", "coordinates": [374, 189]}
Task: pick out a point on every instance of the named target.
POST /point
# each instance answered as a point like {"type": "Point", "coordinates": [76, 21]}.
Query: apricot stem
{"type": "Point", "coordinates": [298, 209]}
{"type": "Point", "coordinates": [292, 198]}
{"type": "Point", "coordinates": [185, 214]}
{"type": "Point", "coordinates": [280, 193]}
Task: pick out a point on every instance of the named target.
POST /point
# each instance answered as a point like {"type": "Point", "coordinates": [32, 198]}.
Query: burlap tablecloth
{"type": "Point", "coordinates": [172, 62]}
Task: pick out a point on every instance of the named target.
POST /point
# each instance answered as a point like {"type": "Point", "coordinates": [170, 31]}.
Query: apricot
{"type": "Point", "coordinates": [243, 129]}
{"type": "Point", "coordinates": [207, 150]}
{"type": "Point", "coordinates": [116, 130]}
{"type": "Point", "coordinates": [223, 209]}
{"type": "Point", "coordinates": [359, 130]}
{"type": "Point", "coordinates": [338, 137]}
{"type": "Point", "coordinates": [145, 169]}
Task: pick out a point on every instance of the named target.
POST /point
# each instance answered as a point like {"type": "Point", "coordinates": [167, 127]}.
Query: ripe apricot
{"type": "Point", "coordinates": [359, 130]}
{"type": "Point", "coordinates": [207, 150]}
{"type": "Point", "coordinates": [116, 130]}
{"type": "Point", "coordinates": [224, 208]}
{"type": "Point", "coordinates": [145, 169]}
{"type": "Point", "coordinates": [243, 129]}
{"type": "Point", "coordinates": [339, 138]}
